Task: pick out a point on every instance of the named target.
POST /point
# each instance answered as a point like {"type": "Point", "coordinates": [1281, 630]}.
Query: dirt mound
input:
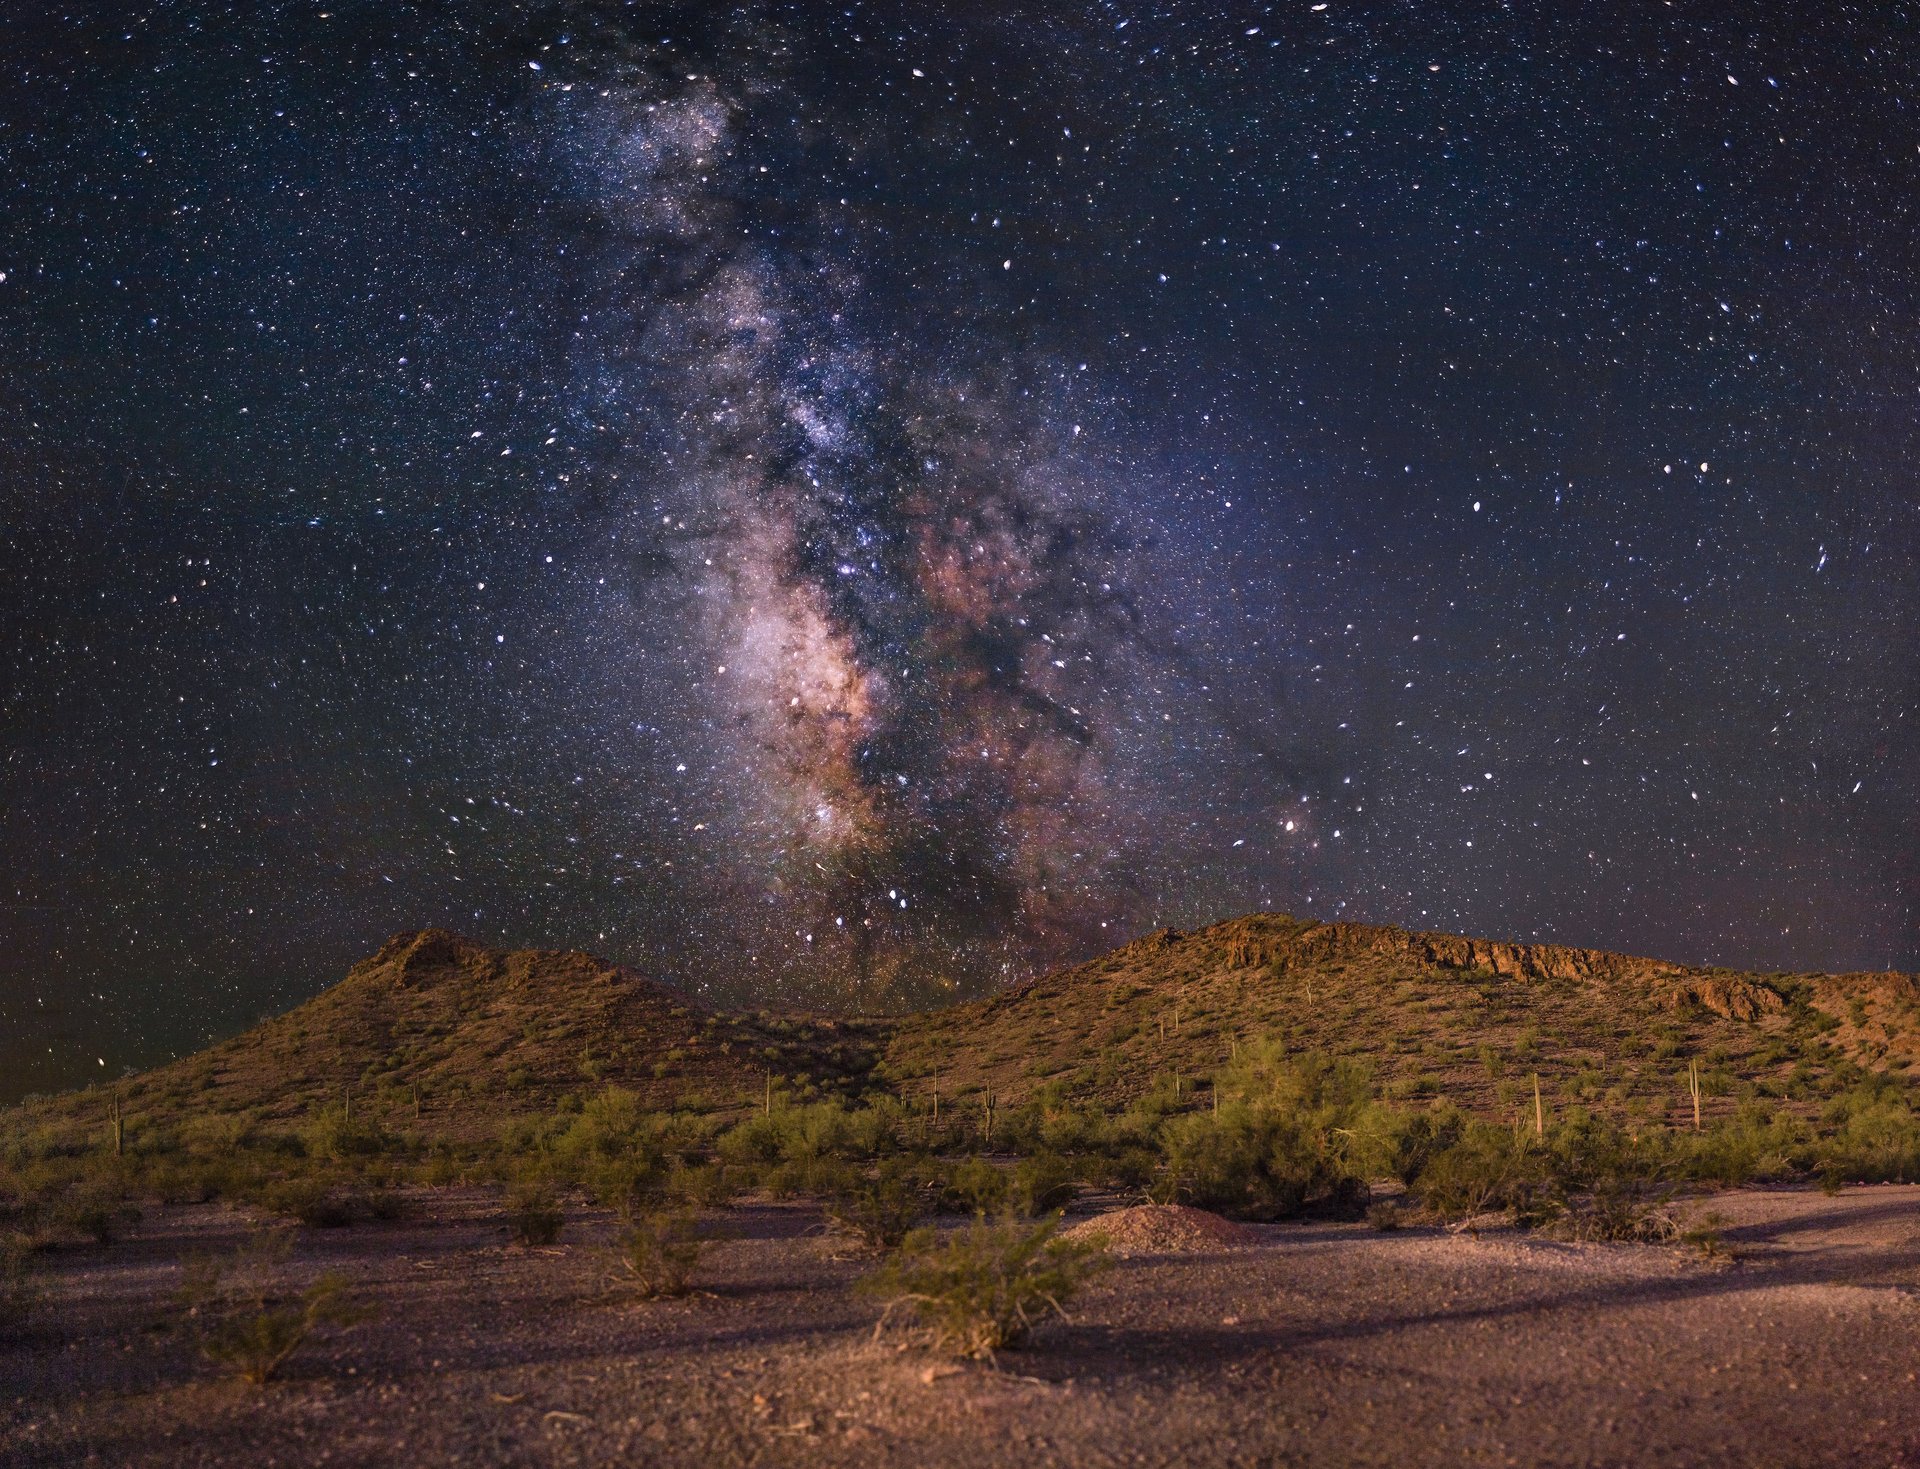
{"type": "Point", "coordinates": [1161, 1229]}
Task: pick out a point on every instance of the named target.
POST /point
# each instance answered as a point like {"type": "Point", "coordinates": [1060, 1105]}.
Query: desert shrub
{"type": "Point", "coordinates": [244, 1324]}
{"type": "Point", "coordinates": [624, 1185]}
{"type": "Point", "coordinates": [17, 1295]}
{"type": "Point", "coordinates": [386, 1204]}
{"type": "Point", "coordinates": [1040, 1184]}
{"type": "Point", "coordinates": [973, 1186]}
{"type": "Point", "coordinates": [315, 1199]}
{"type": "Point", "coordinates": [1703, 1235]}
{"type": "Point", "coordinates": [1751, 1145]}
{"type": "Point", "coordinates": [1486, 1168]}
{"type": "Point", "coordinates": [1387, 1215]}
{"type": "Point", "coordinates": [701, 1185]}
{"type": "Point", "coordinates": [986, 1287]}
{"type": "Point", "coordinates": [534, 1216]}
{"type": "Point", "coordinates": [1132, 1168]}
{"type": "Point", "coordinates": [1876, 1137]}
{"type": "Point", "coordinates": [657, 1252]}
{"type": "Point", "coordinates": [1272, 1157]}
{"type": "Point", "coordinates": [97, 1215]}
{"type": "Point", "coordinates": [218, 1133]}
{"type": "Point", "coordinates": [200, 1180]}
{"type": "Point", "coordinates": [1401, 1144]}
{"type": "Point", "coordinates": [610, 1127]}
{"type": "Point", "coordinates": [880, 1209]}
{"type": "Point", "coordinates": [795, 1137]}
{"type": "Point", "coordinates": [339, 1135]}
{"type": "Point", "coordinates": [1619, 1210]}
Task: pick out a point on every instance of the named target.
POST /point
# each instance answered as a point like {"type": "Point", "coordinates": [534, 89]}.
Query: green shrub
{"type": "Point", "coordinates": [17, 1295]}
{"type": "Point", "coordinates": [702, 1185]}
{"type": "Point", "coordinates": [657, 1253]}
{"type": "Point", "coordinates": [336, 1135]}
{"type": "Point", "coordinates": [534, 1216]}
{"type": "Point", "coordinates": [988, 1286]}
{"type": "Point", "coordinates": [94, 1209]}
{"type": "Point", "coordinates": [1041, 1184]}
{"type": "Point", "coordinates": [1486, 1168]}
{"type": "Point", "coordinates": [1387, 1215]}
{"type": "Point", "coordinates": [1256, 1162]}
{"type": "Point", "coordinates": [973, 1186]}
{"type": "Point", "coordinates": [879, 1210]}
{"type": "Point", "coordinates": [314, 1199]}
{"type": "Point", "coordinates": [624, 1185]}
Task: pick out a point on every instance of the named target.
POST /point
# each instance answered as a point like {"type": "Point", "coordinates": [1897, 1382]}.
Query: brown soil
{"type": "Point", "coordinates": [1316, 1344]}
{"type": "Point", "coordinates": [1160, 1229]}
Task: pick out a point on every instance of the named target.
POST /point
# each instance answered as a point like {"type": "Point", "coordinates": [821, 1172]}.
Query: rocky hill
{"type": "Point", "coordinates": [444, 1037]}
{"type": "Point", "coordinates": [1474, 1020]}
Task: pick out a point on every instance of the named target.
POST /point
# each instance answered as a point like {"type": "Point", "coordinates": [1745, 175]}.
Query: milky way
{"type": "Point", "coordinates": [854, 504]}
{"type": "Point", "coordinates": [916, 606]}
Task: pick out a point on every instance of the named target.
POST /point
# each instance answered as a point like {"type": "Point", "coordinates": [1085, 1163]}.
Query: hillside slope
{"type": "Point", "coordinates": [446, 1037]}
{"type": "Point", "coordinates": [440, 1036]}
{"type": "Point", "coordinates": [1435, 1014]}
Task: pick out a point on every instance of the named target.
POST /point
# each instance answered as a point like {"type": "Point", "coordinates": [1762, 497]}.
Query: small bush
{"type": "Point", "coordinates": [1620, 1212]}
{"type": "Point", "coordinates": [17, 1295]}
{"type": "Point", "coordinates": [244, 1324]}
{"type": "Point", "coordinates": [311, 1200]}
{"type": "Point", "coordinates": [386, 1204]}
{"type": "Point", "coordinates": [701, 1185]}
{"type": "Point", "coordinates": [337, 1135]}
{"type": "Point", "coordinates": [1387, 1216]}
{"type": "Point", "coordinates": [96, 1212]}
{"type": "Point", "coordinates": [987, 1287]}
{"type": "Point", "coordinates": [625, 1185]}
{"type": "Point", "coordinates": [1487, 1168]}
{"type": "Point", "coordinates": [533, 1211]}
{"type": "Point", "coordinates": [1041, 1184]}
{"type": "Point", "coordinates": [973, 1186]}
{"type": "Point", "coordinates": [879, 1211]}
{"type": "Point", "coordinates": [658, 1252]}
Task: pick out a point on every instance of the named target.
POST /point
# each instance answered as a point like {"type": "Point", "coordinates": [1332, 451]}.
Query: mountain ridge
{"type": "Point", "coordinates": [443, 1034]}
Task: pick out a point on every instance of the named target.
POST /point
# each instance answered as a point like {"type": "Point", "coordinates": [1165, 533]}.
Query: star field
{"type": "Point", "coordinates": [848, 504]}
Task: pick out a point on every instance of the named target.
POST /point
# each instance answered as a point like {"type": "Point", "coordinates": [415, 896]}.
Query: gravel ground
{"type": "Point", "coordinates": [1315, 1344]}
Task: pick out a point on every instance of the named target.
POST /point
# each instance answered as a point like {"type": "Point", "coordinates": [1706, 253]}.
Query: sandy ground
{"type": "Point", "coordinates": [1315, 1344]}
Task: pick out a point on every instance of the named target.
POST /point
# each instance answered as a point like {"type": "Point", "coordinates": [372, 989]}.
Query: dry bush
{"type": "Point", "coordinates": [1486, 1169]}
{"type": "Point", "coordinates": [534, 1216]}
{"type": "Point", "coordinates": [988, 1286]}
{"type": "Point", "coordinates": [17, 1295]}
{"type": "Point", "coordinates": [244, 1323]}
{"type": "Point", "coordinates": [880, 1211]}
{"type": "Point", "coordinates": [657, 1254]}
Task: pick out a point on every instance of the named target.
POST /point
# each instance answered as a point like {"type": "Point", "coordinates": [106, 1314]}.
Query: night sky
{"type": "Point", "coordinates": [848, 504]}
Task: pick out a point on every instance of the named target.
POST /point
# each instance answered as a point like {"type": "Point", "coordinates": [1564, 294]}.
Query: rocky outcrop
{"type": "Point", "coordinates": [1275, 940]}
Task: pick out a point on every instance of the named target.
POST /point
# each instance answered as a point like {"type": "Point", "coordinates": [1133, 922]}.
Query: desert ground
{"type": "Point", "coordinates": [1309, 1343]}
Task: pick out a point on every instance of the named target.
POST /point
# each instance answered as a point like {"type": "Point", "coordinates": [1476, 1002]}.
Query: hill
{"type": "Point", "coordinates": [1436, 1015]}
{"type": "Point", "coordinates": [447, 1038]}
